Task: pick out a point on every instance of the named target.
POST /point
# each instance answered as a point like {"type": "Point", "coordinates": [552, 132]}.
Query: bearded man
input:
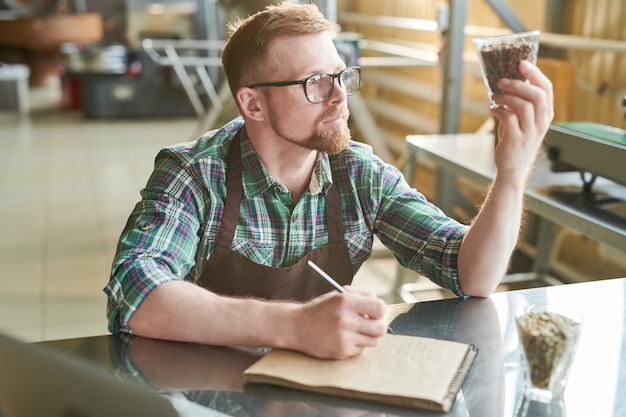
{"type": "Point", "coordinates": [216, 251]}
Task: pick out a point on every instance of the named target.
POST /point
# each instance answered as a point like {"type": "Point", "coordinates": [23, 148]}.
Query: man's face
{"type": "Point", "coordinates": [321, 126]}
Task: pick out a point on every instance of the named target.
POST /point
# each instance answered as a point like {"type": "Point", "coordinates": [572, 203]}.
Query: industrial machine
{"type": "Point", "coordinates": [594, 150]}
{"type": "Point", "coordinates": [123, 79]}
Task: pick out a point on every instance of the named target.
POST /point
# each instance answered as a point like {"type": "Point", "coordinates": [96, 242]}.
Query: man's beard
{"type": "Point", "coordinates": [324, 139]}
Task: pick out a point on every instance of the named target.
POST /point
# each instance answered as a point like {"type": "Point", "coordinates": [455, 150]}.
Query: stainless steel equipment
{"type": "Point", "coordinates": [588, 147]}
{"type": "Point", "coordinates": [95, 59]}
{"type": "Point", "coordinates": [595, 150]}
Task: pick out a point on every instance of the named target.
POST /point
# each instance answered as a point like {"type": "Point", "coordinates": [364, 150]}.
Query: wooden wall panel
{"type": "Point", "coordinates": [600, 75]}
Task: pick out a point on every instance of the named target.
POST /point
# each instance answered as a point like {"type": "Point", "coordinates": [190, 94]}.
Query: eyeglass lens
{"type": "Point", "coordinates": [320, 87]}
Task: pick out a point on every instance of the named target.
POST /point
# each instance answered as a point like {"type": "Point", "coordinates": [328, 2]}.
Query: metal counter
{"type": "Point", "coordinates": [212, 376]}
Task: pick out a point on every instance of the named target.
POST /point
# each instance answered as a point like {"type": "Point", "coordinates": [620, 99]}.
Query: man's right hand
{"type": "Point", "coordinates": [338, 326]}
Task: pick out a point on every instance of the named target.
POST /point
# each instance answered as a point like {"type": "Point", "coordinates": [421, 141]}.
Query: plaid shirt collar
{"type": "Point", "coordinates": [257, 179]}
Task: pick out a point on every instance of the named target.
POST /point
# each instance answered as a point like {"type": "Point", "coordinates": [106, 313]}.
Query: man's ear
{"type": "Point", "coordinates": [251, 103]}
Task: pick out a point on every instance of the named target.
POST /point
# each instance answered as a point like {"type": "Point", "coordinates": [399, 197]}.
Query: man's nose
{"type": "Point", "coordinates": [338, 94]}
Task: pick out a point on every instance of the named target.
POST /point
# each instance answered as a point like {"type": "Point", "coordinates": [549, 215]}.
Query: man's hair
{"type": "Point", "coordinates": [246, 57]}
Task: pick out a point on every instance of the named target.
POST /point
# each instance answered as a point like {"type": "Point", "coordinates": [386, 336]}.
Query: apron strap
{"type": "Point", "coordinates": [234, 194]}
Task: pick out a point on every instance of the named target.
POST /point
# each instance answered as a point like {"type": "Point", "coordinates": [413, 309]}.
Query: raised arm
{"type": "Point", "coordinates": [525, 115]}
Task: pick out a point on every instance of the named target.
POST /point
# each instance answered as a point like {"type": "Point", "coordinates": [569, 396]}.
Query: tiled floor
{"type": "Point", "coordinates": [67, 185]}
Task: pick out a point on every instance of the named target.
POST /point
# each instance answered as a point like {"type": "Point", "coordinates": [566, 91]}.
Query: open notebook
{"type": "Point", "coordinates": [407, 371]}
{"type": "Point", "coordinates": [36, 381]}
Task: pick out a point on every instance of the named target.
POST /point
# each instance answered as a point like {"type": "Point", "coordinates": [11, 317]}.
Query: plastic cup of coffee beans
{"type": "Point", "coordinates": [499, 57]}
{"type": "Point", "coordinates": [548, 338]}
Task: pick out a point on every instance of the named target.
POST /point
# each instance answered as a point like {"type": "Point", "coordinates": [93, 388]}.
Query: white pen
{"type": "Point", "coordinates": [327, 277]}
{"type": "Point", "coordinates": [335, 284]}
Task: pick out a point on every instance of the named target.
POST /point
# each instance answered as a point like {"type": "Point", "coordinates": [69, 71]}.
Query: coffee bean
{"type": "Point", "coordinates": [502, 61]}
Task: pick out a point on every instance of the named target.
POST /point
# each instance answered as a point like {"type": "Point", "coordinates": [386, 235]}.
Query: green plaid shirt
{"type": "Point", "coordinates": [171, 232]}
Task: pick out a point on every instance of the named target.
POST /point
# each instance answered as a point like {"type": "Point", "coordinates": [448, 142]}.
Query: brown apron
{"type": "Point", "coordinates": [232, 274]}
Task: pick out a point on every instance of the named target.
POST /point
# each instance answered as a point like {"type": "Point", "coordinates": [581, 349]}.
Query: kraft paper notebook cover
{"type": "Point", "coordinates": [407, 371]}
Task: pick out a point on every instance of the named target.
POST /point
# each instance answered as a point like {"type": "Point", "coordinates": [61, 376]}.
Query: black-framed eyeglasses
{"type": "Point", "coordinates": [319, 87]}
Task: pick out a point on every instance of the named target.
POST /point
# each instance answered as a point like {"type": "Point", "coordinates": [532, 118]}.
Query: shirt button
{"type": "Point", "coordinates": [294, 217]}
{"type": "Point", "coordinates": [145, 226]}
{"type": "Point", "coordinates": [278, 189]}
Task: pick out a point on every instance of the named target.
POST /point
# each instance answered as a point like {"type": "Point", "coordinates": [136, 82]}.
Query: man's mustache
{"type": "Point", "coordinates": [337, 112]}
